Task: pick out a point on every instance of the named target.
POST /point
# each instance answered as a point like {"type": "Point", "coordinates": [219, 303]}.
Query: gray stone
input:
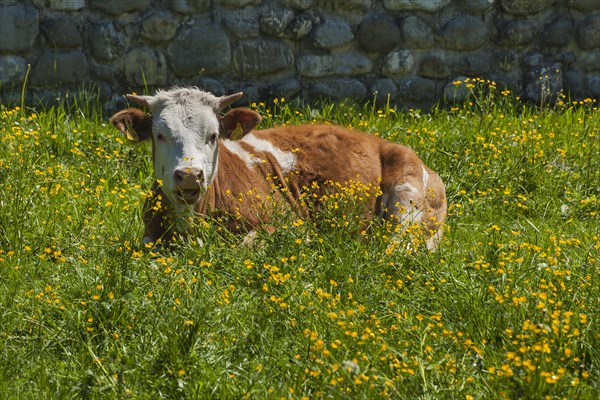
{"type": "Point", "coordinates": [332, 34]}
{"type": "Point", "coordinates": [344, 6]}
{"type": "Point", "coordinates": [416, 34]}
{"type": "Point", "coordinates": [287, 89]}
{"type": "Point", "coordinates": [557, 33]}
{"type": "Point", "coordinates": [418, 5]}
{"type": "Point", "coordinates": [105, 42]}
{"type": "Point", "coordinates": [315, 66]}
{"type": "Point", "coordinates": [524, 7]}
{"type": "Point", "coordinates": [573, 81]}
{"type": "Point", "coordinates": [518, 32]}
{"type": "Point", "coordinates": [298, 4]}
{"type": "Point", "coordinates": [397, 63]}
{"type": "Point", "coordinates": [463, 33]}
{"type": "Point", "coordinates": [594, 86]}
{"type": "Point", "coordinates": [566, 57]}
{"type": "Point", "coordinates": [506, 59]}
{"type": "Point", "coordinates": [257, 57]}
{"type": "Point", "coordinates": [473, 64]}
{"type": "Point", "coordinates": [243, 24]}
{"type": "Point", "coordinates": [533, 60]}
{"type": "Point", "coordinates": [274, 22]}
{"type": "Point", "coordinates": [590, 61]}
{"type": "Point", "coordinates": [378, 34]}
{"type": "Point", "coordinates": [145, 67]}
{"type": "Point", "coordinates": [108, 73]}
{"type": "Point", "coordinates": [584, 5]}
{"type": "Point", "coordinates": [239, 3]}
{"type": "Point", "coordinates": [476, 6]}
{"type": "Point", "coordinates": [210, 85]}
{"type": "Point", "coordinates": [299, 27]}
{"type": "Point", "coordinates": [588, 32]}
{"type": "Point", "coordinates": [433, 67]}
{"type": "Point", "coordinates": [67, 5]}
{"type": "Point", "coordinates": [190, 6]}
{"type": "Point", "coordinates": [338, 89]}
{"type": "Point", "coordinates": [457, 90]}
{"type": "Point", "coordinates": [62, 33]}
{"type": "Point", "coordinates": [543, 84]}
{"type": "Point", "coordinates": [383, 89]}
{"type": "Point", "coordinates": [18, 27]}
{"type": "Point", "coordinates": [118, 7]}
{"type": "Point", "coordinates": [12, 69]}
{"type": "Point", "coordinates": [417, 89]}
{"type": "Point", "coordinates": [53, 68]}
{"type": "Point", "coordinates": [201, 49]}
{"type": "Point", "coordinates": [159, 28]}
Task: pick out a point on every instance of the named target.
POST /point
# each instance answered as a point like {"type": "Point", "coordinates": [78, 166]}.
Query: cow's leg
{"type": "Point", "coordinates": [157, 218]}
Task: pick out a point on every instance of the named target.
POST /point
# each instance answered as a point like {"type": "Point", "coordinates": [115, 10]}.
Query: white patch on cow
{"type": "Point", "coordinates": [410, 213]}
{"type": "Point", "coordinates": [285, 159]}
{"type": "Point", "coordinates": [238, 150]}
{"type": "Point", "coordinates": [425, 176]}
{"type": "Point", "coordinates": [406, 187]}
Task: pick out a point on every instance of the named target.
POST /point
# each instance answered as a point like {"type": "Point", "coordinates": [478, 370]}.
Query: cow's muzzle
{"type": "Point", "coordinates": [188, 184]}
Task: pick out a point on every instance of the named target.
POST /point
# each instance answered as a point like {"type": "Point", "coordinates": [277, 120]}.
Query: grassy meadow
{"type": "Point", "coordinates": [508, 307]}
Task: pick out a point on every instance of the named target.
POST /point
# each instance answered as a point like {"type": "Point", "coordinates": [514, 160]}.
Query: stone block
{"type": "Point", "coordinates": [338, 89]}
{"type": "Point", "coordinates": [287, 89]}
{"type": "Point", "coordinates": [159, 28]}
{"type": "Point", "coordinates": [55, 68]}
{"type": "Point", "coordinates": [433, 67]}
{"type": "Point", "coordinates": [475, 64]}
{"type": "Point", "coordinates": [332, 34]}
{"type": "Point", "coordinates": [275, 22]}
{"type": "Point", "coordinates": [594, 86]}
{"type": "Point", "coordinates": [558, 32]}
{"type": "Point", "coordinates": [189, 6]}
{"type": "Point", "coordinates": [239, 3]}
{"type": "Point", "coordinates": [243, 23]}
{"type": "Point", "coordinates": [298, 4]}
{"type": "Point", "coordinates": [584, 5]}
{"type": "Point", "coordinates": [416, 34]}
{"type": "Point", "coordinates": [475, 6]}
{"type": "Point", "coordinates": [524, 7]}
{"type": "Point", "coordinates": [416, 5]}
{"type": "Point", "coordinates": [203, 49]}
{"type": "Point", "coordinates": [145, 67]}
{"type": "Point", "coordinates": [18, 27]}
{"type": "Point", "coordinates": [463, 33]}
{"type": "Point", "coordinates": [301, 26]}
{"type": "Point", "coordinates": [118, 7]}
{"type": "Point", "coordinates": [257, 57]}
{"type": "Point", "coordinates": [588, 32]}
{"type": "Point", "coordinates": [383, 89]}
{"type": "Point", "coordinates": [378, 34]}
{"type": "Point", "coordinates": [316, 66]}
{"type": "Point", "coordinates": [397, 63]}
{"type": "Point", "coordinates": [573, 82]}
{"type": "Point", "coordinates": [590, 61]}
{"type": "Point", "coordinates": [105, 43]}
{"type": "Point", "coordinates": [417, 90]}
{"type": "Point", "coordinates": [457, 90]}
{"type": "Point", "coordinates": [210, 85]}
{"type": "Point", "coordinates": [67, 5]}
{"type": "Point", "coordinates": [543, 84]}
{"type": "Point", "coordinates": [518, 32]}
{"type": "Point", "coordinates": [62, 33]}
{"type": "Point", "coordinates": [12, 69]}
{"type": "Point", "coordinates": [344, 6]}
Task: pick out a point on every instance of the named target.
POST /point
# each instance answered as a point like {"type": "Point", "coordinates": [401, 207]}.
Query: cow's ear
{"type": "Point", "coordinates": [238, 122]}
{"type": "Point", "coordinates": [133, 123]}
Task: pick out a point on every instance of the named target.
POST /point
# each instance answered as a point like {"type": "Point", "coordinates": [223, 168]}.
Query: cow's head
{"type": "Point", "coordinates": [184, 127]}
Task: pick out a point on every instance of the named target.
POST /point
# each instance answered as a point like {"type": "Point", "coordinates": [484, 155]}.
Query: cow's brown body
{"type": "Point", "coordinates": [324, 153]}
{"type": "Point", "coordinates": [248, 175]}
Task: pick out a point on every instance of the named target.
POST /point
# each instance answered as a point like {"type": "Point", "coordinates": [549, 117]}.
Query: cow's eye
{"type": "Point", "coordinates": [160, 137]}
{"type": "Point", "coordinates": [213, 138]}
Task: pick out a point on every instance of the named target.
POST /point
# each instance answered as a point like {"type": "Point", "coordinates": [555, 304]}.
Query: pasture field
{"type": "Point", "coordinates": [508, 307]}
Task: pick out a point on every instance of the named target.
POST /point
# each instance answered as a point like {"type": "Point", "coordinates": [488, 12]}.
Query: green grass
{"type": "Point", "coordinates": [508, 307]}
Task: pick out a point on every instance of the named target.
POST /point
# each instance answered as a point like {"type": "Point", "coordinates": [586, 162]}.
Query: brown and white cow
{"type": "Point", "coordinates": [201, 169]}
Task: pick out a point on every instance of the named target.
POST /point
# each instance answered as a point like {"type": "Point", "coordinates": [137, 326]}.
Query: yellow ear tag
{"type": "Point", "coordinates": [130, 133]}
{"type": "Point", "coordinates": [237, 133]}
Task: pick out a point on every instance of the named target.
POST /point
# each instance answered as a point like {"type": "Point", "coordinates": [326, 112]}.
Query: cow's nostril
{"type": "Point", "coordinates": [188, 177]}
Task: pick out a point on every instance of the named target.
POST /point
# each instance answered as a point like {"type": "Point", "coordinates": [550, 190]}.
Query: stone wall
{"type": "Point", "coordinates": [411, 50]}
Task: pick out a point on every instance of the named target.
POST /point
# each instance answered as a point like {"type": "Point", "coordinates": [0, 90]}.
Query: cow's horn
{"type": "Point", "coordinates": [141, 100]}
{"type": "Point", "coordinates": [225, 101]}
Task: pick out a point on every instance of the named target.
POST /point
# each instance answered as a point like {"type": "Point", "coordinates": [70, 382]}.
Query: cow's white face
{"type": "Point", "coordinates": [184, 130]}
